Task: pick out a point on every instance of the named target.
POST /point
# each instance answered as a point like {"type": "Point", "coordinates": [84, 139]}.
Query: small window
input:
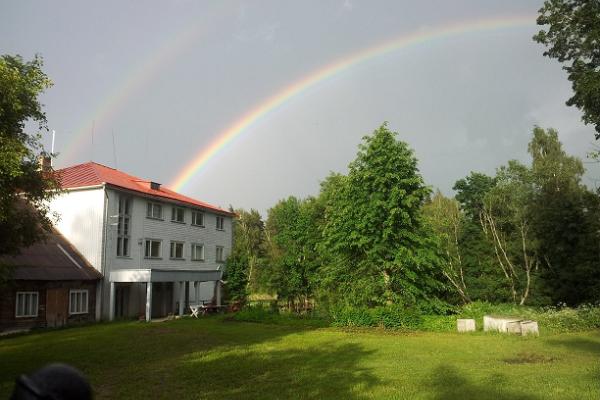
{"type": "Point", "coordinates": [197, 252]}
{"type": "Point", "coordinates": [178, 214]}
{"type": "Point", "coordinates": [220, 223]}
{"type": "Point", "coordinates": [78, 302]}
{"type": "Point", "coordinates": [152, 248]}
{"type": "Point", "coordinates": [26, 304]}
{"type": "Point", "coordinates": [219, 256]}
{"type": "Point", "coordinates": [198, 218]}
{"type": "Point", "coordinates": [177, 250]}
{"type": "Point", "coordinates": [154, 210]}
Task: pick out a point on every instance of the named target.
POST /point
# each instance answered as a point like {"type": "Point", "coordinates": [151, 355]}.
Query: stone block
{"type": "Point", "coordinates": [465, 325]}
{"type": "Point", "coordinates": [498, 324]}
{"type": "Point", "coordinates": [529, 328]}
{"type": "Point", "coordinates": [513, 327]}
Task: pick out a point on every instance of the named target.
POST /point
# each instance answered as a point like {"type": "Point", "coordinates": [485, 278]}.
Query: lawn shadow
{"type": "Point", "coordinates": [124, 357]}
{"type": "Point", "coordinates": [448, 383]}
{"type": "Point", "coordinates": [578, 344]}
{"type": "Point", "coordinates": [330, 371]}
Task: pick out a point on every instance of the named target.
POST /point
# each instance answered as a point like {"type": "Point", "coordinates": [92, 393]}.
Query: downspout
{"type": "Point", "coordinates": [103, 268]}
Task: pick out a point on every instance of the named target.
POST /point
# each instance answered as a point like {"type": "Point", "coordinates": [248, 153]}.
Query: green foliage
{"type": "Point", "coordinates": [247, 257]}
{"type": "Point", "coordinates": [379, 250]}
{"type": "Point", "coordinates": [394, 317]}
{"type": "Point", "coordinates": [266, 314]}
{"type": "Point", "coordinates": [572, 38]}
{"type": "Point", "coordinates": [447, 221]}
{"type": "Point", "coordinates": [292, 237]}
{"type": "Point", "coordinates": [24, 188]}
{"type": "Point", "coordinates": [470, 193]}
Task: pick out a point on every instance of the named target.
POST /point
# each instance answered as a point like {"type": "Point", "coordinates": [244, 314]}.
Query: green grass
{"type": "Point", "coordinates": [214, 358]}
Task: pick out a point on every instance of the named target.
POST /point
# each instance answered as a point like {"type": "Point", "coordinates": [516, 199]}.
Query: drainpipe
{"type": "Point", "coordinates": [103, 269]}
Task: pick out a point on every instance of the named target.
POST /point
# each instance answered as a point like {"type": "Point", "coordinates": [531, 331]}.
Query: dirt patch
{"type": "Point", "coordinates": [530, 358]}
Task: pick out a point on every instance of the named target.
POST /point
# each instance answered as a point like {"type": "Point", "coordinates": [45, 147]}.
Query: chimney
{"type": "Point", "coordinates": [154, 186]}
{"type": "Point", "coordinates": [45, 162]}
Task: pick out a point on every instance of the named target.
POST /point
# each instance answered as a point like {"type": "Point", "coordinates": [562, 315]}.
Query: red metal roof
{"type": "Point", "coordinates": [93, 174]}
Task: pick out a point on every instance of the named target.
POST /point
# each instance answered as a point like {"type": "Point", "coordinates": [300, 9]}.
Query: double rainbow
{"type": "Point", "coordinates": [226, 137]}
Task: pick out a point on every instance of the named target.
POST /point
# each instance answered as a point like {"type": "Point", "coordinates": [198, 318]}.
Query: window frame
{"type": "Point", "coordinates": [150, 210]}
{"type": "Point", "coordinates": [194, 218]}
{"type": "Point", "coordinates": [192, 255]}
{"type": "Point", "coordinates": [37, 304]}
{"type": "Point", "coordinates": [222, 258]}
{"type": "Point", "coordinates": [172, 247]}
{"type": "Point", "coordinates": [222, 224]}
{"type": "Point", "coordinates": [174, 212]}
{"type": "Point", "coordinates": [123, 247]}
{"type": "Point", "coordinates": [150, 257]}
{"type": "Point", "coordinates": [87, 301]}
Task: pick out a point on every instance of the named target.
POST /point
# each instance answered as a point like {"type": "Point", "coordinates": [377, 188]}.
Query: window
{"type": "Point", "coordinates": [220, 221]}
{"type": "Point", "coordinates": [178, 214]}
{"type": "Point", "coordinates": [177, 250]}
{"type": "Point", "coordinates": [197, 252]}
{"type": "Point", "coordinates": [219, 257]}
{"type": "Point", "coordinates": [26, 304]}
{"type": "Point", "coordinates": [152, 248]}
{"type": "Point", "coordinates": [154, 210]}
{"type": "Point", "coordinates": [198, 218]}
{"type": "Point", "coordinates": [124, 226]}
{"type": "Point", "coordinates": [78, 302]}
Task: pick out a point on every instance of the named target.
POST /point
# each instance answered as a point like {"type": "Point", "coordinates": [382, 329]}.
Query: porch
{"type": "Point", "coordinates": [184, 282]}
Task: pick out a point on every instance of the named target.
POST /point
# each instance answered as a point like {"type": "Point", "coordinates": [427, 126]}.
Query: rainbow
{"type": "Point", "coordinates": [138, 78]}
{"type": "Point", "coordinates": [420, 37]}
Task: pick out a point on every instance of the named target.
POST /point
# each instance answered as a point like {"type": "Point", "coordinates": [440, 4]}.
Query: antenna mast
{"type": "Point", "coordinates": [52, 151]}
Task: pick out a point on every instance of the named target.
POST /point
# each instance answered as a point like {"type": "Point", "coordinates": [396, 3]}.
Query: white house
{"type": "Point", "coordinates": [157, 250]}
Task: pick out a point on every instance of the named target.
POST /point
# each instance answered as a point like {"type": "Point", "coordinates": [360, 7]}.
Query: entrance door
{"type": "Point", "coordinates": [57, 307]}
{"type": "Point", "coordinates": [121, 301]}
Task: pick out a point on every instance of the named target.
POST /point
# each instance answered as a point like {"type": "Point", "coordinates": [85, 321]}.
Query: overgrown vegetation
{"type": "Point", "coordinates": [377, 248]}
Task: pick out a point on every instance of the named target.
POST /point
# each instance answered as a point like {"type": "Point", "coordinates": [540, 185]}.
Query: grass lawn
{"type": "Point", "coordinates": [217, 359]}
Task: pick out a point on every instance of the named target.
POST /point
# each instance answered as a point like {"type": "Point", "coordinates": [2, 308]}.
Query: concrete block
{"type": "Point", "coordinates": [465, 325]}
{"type": "Point", "coordinates": [529, 328]}
{"type": "Point", "coordinates": [496, 323]}
{"type": "Point", "coordinates": [513, 327]}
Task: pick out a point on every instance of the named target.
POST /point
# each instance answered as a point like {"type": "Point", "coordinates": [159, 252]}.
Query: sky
{"type": "Point", "coordinates": [147, 87]}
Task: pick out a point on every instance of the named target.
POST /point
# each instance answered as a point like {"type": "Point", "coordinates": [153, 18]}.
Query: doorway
{"type": "Point", "coordinates": [57, 307]}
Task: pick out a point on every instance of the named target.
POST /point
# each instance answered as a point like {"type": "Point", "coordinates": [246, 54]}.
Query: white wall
{"type": "Point", "coordinates": [81, 215]}
{"type": "Point", "coordinates": [166, 231]}
{"type": "Point", "coordinates": [82, 223]}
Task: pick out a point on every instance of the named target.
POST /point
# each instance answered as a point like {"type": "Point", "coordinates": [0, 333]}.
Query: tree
{"type": "Point", "coordinates": [292, 236]}
{"type": "Point", "coordinates": [565, 220]}
{"type": "Point", "coordinates": [247, 255]}
{"type": "Point", "coordinates": [573, 38]}
{"type": "Point", "coordinates": [447, 220]}
{"type": "Point", "coordinates": [506, 221]}
{"type": "Point", "coordinates": [380, 249]}
{"type": "Point", "coordinates": [24, 187]}
{"type": "Point", "coordinates": [482, 277]}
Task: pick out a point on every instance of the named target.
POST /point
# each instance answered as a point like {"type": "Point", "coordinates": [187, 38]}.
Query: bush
{"type": "Point", "coordinates": [386, 317]}
{"type": "Point", "coordinates": [267, 313]}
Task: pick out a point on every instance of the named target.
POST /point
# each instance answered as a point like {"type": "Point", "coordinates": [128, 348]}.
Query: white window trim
{"type": "Point", "coordinates": [192, 252]}
{"type": "Point", "coordinates": [173, 208]}
{"type": "Point", "coordinates": [182, 250]}
{"type": "Point", "coordinates": [150, 257]}
{"type": "Point", "coordinates": [152, 216]}
{"type": "Point", "coordinates": [203, 217]}
{"type": "Point", "coordinates": [37, 304]}
{"type": "Point", "coordinates": [87, 301]}
{"type": "Point", "coordinates": [222, 260]}
{"type": "Point", "coordinates": [222, 219]}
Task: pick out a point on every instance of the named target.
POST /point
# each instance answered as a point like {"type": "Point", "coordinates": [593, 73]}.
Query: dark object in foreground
{"type": "Point", "coordinates": [55, 382]}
